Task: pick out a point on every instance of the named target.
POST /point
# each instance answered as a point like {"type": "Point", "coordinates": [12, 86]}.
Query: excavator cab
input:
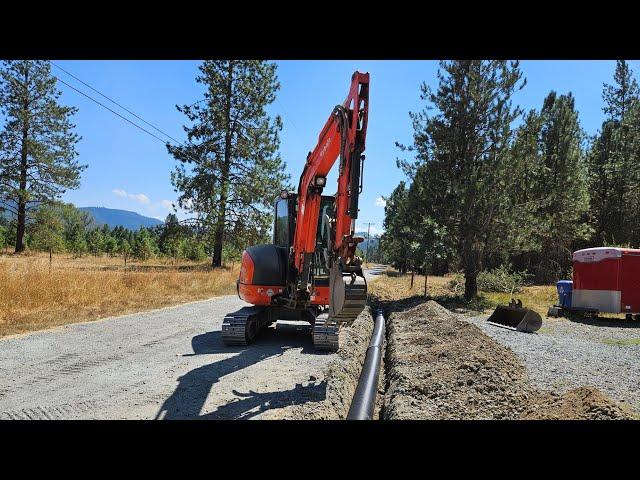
{"type": "Point", "coordinates": [285, 224]}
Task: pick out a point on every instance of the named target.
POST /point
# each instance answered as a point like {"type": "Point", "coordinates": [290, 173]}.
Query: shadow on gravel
{"type": "Point", "coordinates": [252, 403]}
{"type": "Point", "coordinates": [194, 387]}
{"type": "Point", "coordinates": [602, 321]}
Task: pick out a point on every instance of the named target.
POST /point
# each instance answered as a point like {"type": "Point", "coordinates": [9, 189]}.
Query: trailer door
{"type": "Point", "coordinates": [630, 283]}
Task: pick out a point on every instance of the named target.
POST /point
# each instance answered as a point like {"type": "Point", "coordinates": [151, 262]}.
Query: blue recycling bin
{"type": "Point", "coordinates": [565, 288]}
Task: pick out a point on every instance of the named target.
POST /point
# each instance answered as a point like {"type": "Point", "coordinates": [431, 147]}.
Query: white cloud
{"type": "Point", "coordinates": [380, 202]}
{"type": "Point", "coordinates": [168, 204]}
{"type": "Point", "coordinates": [140, 197]}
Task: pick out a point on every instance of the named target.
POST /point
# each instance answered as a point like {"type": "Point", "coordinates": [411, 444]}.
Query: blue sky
{"type": "Point", "coordinates": [130, 170]}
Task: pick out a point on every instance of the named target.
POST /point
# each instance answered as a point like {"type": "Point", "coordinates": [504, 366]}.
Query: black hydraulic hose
{"type": "Point", "coordinates": [364, 399]}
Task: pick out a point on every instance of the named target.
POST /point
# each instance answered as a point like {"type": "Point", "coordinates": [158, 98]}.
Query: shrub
{"type": "Point", "coordinates": [502, 279]}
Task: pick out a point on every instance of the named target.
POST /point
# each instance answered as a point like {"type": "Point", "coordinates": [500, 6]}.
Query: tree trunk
{"type": "Point", "coordinates": [217, 244]}
{"type": "Point", "coordinates": [470, 274]}
{"type": "Point", "coordinates": [22, 204]}
{"type": "Point", "coordinates": [426, 276]}
{"type": "Point", "coordinates": [470, 286]}
{"type": "Point", "coordinates": [413, 274]}
{"type": "Point", "coordinates": [224, 180]}
{"type": "Point", "coordinates": [22, 214]}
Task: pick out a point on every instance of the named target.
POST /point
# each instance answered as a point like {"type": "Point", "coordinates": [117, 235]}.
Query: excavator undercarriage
{"type": "Point", "coordinates": [349, 292]}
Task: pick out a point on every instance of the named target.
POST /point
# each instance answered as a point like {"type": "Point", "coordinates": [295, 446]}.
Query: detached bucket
{"type": "Point", "coordinates": [515, 317]}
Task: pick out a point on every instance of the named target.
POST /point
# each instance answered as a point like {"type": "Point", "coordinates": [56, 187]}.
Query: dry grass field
{"type": "Point", "coordinates": [392, 287]}
{"type": "Point", "coordinates": [34, 297]}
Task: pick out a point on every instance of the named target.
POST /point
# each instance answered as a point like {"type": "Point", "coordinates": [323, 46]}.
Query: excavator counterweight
{"type": "Point", "coordinates": [311, 272]}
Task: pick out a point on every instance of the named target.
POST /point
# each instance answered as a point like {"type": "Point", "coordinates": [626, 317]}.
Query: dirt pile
{"type": "Point", "coordinates": [341, 377]}
{"type": "Point", "coordinates": [584, 403]}
{"type": "Point", "coordinates": [441, 367]}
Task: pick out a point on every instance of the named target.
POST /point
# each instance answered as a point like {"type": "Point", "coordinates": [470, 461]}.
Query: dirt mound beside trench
{"type": "Point", "coordinates": [341, 377]}
{"type": "Point", "coordinates": [441, 367]}
{"type": "Point", "coordinates": [584, 403]}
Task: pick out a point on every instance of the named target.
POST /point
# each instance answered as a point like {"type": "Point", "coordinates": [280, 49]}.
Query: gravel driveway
{"type": "Point", "coordinates": [167, 363]}
{"type": "Point", "coordinates": [565, 354]}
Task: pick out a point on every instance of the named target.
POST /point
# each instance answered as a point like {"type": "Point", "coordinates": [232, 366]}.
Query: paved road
{"type": "Point", "coordinates": [164, 364]}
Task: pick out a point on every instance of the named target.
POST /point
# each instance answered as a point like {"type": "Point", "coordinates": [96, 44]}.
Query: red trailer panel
{"type": "Point", "coordinates": [607, 279]}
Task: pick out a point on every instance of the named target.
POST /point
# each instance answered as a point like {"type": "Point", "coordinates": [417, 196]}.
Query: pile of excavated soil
{"type": "Point", "coordinates": [584, 403]}
{"type": "Point", "coordinates": [341, 376]}
{"type": "Point", "coordinates": [440, 367]}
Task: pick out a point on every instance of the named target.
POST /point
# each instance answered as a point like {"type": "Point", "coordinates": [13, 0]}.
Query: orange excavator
{"type": "Point", "coordinates": [311, 272]}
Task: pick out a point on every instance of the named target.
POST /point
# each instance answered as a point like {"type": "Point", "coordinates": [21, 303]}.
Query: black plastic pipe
{"type": "Point", "coordinates": [364, 398]}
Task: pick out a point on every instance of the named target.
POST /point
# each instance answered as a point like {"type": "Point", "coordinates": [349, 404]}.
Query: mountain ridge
{"type": "Point", "coordinates": [115, 217]}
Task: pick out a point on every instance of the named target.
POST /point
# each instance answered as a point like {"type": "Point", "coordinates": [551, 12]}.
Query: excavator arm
{"type": "Point", "coordinates": [343, 136]}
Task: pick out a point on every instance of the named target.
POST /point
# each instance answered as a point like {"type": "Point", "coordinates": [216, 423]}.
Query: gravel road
{"type": "Point", "coordinates": [162, 364]}
{"type": "Point", "coordinates": [565, 354]}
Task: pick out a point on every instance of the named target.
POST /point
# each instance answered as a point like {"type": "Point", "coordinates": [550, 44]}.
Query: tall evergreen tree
{"type": "Point", "coordinates": [230, 171]}
{"type": "Point", "coordinates": [622, 94]}
{"type": "Point", "coordinates": [462, 145]}
{"type": "Point", "coordinates": [37, 144]}
{"type": "Point", "coordinates": [614, 170]}
{"type": "Point", "coordinates": [395, 241]}
{"type": "Point", "coordinates": [562, 187]}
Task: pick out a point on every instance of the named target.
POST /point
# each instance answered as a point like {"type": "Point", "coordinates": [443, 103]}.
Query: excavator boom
{"type": "Point", "coordinates": [343, 135]}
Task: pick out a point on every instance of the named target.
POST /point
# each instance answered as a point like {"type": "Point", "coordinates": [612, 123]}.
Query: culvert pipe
{"type": "Point", "coordinates": [364, 398]}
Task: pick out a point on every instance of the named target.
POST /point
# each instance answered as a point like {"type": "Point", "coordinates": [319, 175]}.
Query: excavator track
{"type": "Point", "coordinates": [326, 334]}
{"type": "Point", "coordinates": [243, 326]}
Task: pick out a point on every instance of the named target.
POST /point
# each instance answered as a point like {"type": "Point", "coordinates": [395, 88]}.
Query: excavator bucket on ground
{"type": "Point", "coordinates": [515, 317]}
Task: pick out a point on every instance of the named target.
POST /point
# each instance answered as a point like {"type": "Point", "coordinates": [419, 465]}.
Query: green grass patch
{"type": "Point", "coordinates": [538, 298]}
{"type": "Point", "coordinates": [622, 342]}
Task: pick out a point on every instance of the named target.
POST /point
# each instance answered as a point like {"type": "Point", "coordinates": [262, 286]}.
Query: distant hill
{"type": "Point", "coordinates": [123, 218]}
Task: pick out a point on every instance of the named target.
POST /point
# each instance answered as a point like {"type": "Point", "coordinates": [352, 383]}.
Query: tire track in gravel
{"type": "Point", "coordinates": [166, 363]}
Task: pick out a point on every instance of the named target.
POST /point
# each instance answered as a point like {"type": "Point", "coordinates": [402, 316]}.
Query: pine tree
{"type": "Point", "coordinates": [461, 146]}
{"type": "Point", "coordinates": [394, 241]}
{"type": "Point", "coordinates": [614, 171]}
{"type": "Point", "coordinates": [619, 97]}
{"type": "Point", "coordinates": [46, 232]}
{"type": "Point", "coordinates": [516, 227]}
{"type": "Point", "coordinates": [562, 187]}
{"type": "Point", "coordinates": [37, 143]}
{"type": "Point", "coordinates": [230, 171]}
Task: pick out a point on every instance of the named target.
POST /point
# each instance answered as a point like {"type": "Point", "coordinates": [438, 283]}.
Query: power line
{"type": "Point", "coordinates": [164, 142]}
{"type": "Point", "coordinates": [116, 103]}
{"type": "Point", "coordinates": [290, 119]}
